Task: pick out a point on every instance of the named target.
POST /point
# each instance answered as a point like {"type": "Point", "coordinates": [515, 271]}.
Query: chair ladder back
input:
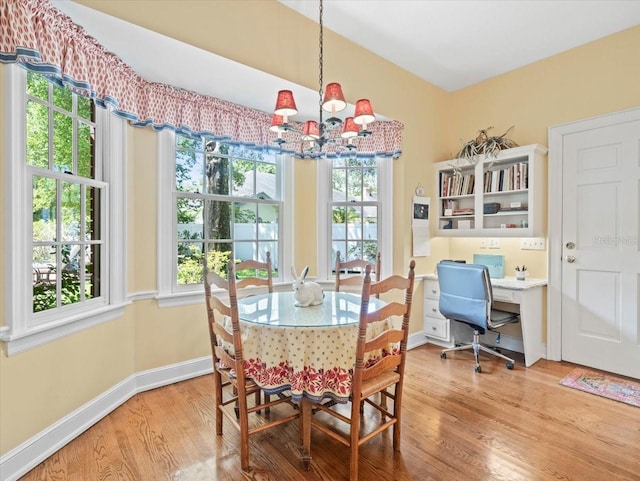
{"type": "Point", "coordinates": [355, 279]}
{"type": "Point", "coordinates": [385, 312]}
{"type": "Point", "coordinates": [256, 280]}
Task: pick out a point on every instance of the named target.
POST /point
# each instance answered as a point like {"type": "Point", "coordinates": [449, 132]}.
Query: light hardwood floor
{"type": "Point", "coordinates": [499, 425]}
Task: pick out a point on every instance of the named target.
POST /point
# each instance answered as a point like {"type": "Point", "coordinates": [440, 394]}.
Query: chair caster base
{"type": "Point", "coordinates": [510, 365]}
{"type": "Point", "coordinates": [477, 369]}
{"type": "Point", "coordinates": [443, 355]}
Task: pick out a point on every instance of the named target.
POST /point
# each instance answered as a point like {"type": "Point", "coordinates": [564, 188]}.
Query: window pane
{"type": "Point", "coordinates": [189, 171]}
{"type": "Point", "coordinates": [85, 150]}
{"type": "Point", "coordinates": [37, 135]}
{"type": "Point", "coordinates": [70, 211]}
{"type": "Point", "coordinates": [354, 222]}
{"type": "Point", "coordinates": [243, 178]}
{"type": "Point", "coordinates": [44, 209]}
{"type": "Point", "coordinates": [85, 108]}
{"type": "Point", "coordinates": [335, 248]}
{"type": "Point", "coordinates": [245, 221]}
{"type": "Point", "coordinates": [218, 255]}
{"type": "Point", "coordinates": [44, 278]}
{"type": "Point", "coordinates": [218, 220]}
{"type": "Point", "coordinates": [92, 271]}
{"type": "Point", "coordinates": [217, 175]}
{"type": "Point", "coordinates": [370, 251]}
{"type": "Point", "coordinates": [62, 98]}
{"type": "Point", "coordinates": [62, 143]}
{"type": "Point", "coordinates": [354, 185]}
{"type": "Point", "coordinates": [268, 221]}
{"type": "Point", "coordinates": [339, 185]}
{"type": "Point", "coordinates": [190, 224]}
{"type": "Point", "coordinates": [266, 181]}
{"type": "Point", "coordinates": [339, 222]}
{"type": "Point", "coordinates": [184, 142]}
{"type": "Point", "coordinates": [354, 251]}
{"type": "Point", "coordinates": [37, 86]}
{"type": "Point", "coordinates": [272, 248]}
{"type": "Point", "coordinates": [92, 217]}
{"type": "Point", "coordinates": [370, 222]}
{"type": "Point", "coordinates": [245, 250]}
{"type": "Point", "coordinates": [190, 263]}
{"type": "Point", "coordinates": [370, 181]}
{"type": "Point", "coordinates": [71, 264]}
{"type": "Point", "coordinates": [245, 152]}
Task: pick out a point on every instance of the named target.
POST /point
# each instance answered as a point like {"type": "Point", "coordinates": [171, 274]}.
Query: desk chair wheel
{"type": "Point", "coordinates": [510, 365]}
{"type": "Point", "coordinates": [443, 355]}
{"type": "Point", "coordinates": [477, 369]}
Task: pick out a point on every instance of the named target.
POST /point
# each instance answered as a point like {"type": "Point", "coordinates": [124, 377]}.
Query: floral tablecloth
{"type": "Point", "coordinates": [309, 351]}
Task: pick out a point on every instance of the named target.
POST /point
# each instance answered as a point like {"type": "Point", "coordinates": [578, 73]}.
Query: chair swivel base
{"type": "Point", "coordinates": [477, 347]}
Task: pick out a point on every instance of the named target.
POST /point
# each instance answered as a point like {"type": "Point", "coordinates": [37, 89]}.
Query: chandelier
{"type": "Point", "coordinates": [333, 131]}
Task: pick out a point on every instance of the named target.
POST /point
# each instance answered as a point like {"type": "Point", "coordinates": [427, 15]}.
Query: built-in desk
{"type": "Point", "coordinates": [526, 296]}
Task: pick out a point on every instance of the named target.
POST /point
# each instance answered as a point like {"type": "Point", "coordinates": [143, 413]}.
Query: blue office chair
{"type": "Point", "coordinates": [466, 296]}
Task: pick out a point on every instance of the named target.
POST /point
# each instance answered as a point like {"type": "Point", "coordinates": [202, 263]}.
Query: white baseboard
{"type": "Point", "coordinates": [416, 339]}
{"type": "Point", "coordinates": [29, 454]}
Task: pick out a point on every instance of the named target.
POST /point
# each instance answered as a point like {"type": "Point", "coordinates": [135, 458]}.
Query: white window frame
{"type": "Point", "coordinates": [170, 295]}
{"type": "Point", "coordinates": [22, 331]}
{"type": "Point", "coordinates": [385, 216]}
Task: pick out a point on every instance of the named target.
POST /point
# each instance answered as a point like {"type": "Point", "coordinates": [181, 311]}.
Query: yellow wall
{"type": "Point", "coordinates": [40, 386]}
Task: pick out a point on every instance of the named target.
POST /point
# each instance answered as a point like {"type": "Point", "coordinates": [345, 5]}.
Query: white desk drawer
{"type": "Point", "coordinates": [505, 295]}
{"type": "Point", "coordinates": [431, 308]}
{"type": "Point", "coordinates": [437, 328]}
{"type": "Point", "coordinates": [431, 289]}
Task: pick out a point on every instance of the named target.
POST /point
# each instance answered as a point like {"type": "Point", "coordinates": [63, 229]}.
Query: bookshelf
{"type": "Point", "coordinates": [500, 196]}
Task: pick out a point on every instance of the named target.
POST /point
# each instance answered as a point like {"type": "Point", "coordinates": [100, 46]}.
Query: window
{"type": "Point", "coordinates": [67, 194]}
{"type": "Point", "coordinates": [354, 209]}
{"type": "Point", "coordinates": [357, 194]}
{"type": "Point", "coordinates": [60, 183]}
{"type": "Point", "coordinates": [227, 202]}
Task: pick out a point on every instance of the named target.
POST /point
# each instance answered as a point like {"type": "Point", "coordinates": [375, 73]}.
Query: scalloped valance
{"type": "Point", "coordinates": [39, 37]}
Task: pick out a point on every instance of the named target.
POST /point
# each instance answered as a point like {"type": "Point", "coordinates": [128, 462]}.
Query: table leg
{"type": "Point", "coordinates": [305, 404]}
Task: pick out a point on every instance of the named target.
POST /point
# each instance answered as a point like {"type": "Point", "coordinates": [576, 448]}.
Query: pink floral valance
{"type": "Point", "coordinates": [39, 37]}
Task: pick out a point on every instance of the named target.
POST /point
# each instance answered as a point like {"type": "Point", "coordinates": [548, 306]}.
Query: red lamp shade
{"type": "Point", "coordinates": [285, 104]}
{"type": "Point", "coordinates": [333, 98]}
{"type": "Point", "coordinates": [276, 123]}
{"type": "Point", "coordinates": [350, 128]}
{"type": "Point", "coordinates": [310, 130]}
{"type": "Point", "coordinates": [364, 112]}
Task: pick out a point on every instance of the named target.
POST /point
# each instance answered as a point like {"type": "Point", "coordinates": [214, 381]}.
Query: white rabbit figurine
{"type": "Point", "coordinates": [307, 293]}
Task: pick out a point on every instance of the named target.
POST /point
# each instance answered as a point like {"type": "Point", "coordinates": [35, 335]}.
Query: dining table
{"type": "Point", "coordinates": [308, 352]}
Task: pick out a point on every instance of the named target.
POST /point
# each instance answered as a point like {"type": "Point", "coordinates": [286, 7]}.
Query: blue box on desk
{"type": "Point", "coordinates": [494, 262]}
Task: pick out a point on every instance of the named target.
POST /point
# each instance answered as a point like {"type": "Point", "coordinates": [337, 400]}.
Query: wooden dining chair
{"type": "Point", "coordinates": [261, 274]}
{"type": "Point", "coordinates": [379, 368]}
{"type": "Point", "coordinates": [343, 268]}
{"type": "Point", "coordinates": [231, 386]}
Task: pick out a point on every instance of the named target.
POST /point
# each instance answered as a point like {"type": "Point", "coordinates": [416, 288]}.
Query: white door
{"type": "Point", "coordinates": [600, 251]}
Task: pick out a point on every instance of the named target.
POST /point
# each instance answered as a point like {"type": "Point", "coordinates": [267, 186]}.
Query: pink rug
{"type": "Point", "coordinates": [606, 385]}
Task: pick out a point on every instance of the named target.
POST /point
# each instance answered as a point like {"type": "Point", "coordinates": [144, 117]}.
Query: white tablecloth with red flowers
{"type": "Point", "coordinates": [309, 351]}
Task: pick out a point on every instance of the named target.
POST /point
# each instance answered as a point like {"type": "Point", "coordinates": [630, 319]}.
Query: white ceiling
{"type": "Point", "coordinates": [457, 43]}
{"type": "Point", "coordinates": [452, 44]}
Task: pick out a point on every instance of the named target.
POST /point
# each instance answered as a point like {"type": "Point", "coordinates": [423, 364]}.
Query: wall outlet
{"type": "Point", "coordinates": [533, 243]}
{"type": "Point", "coordinates": [490, 243]}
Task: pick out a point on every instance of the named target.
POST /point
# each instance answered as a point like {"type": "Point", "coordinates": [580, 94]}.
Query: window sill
{"type": "Point", "coordinates": [43, 334]}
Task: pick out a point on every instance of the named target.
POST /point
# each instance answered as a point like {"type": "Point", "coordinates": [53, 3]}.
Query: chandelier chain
{"type": "Point", "coordinates": [321, 62]}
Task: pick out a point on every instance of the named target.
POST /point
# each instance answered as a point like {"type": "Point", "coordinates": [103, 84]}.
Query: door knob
{"type": "Point", "coordinates": [571, 259]}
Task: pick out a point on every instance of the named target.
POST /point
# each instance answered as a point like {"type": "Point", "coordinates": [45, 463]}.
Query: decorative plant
{"type": "Point", "coordinates": [485, 145]}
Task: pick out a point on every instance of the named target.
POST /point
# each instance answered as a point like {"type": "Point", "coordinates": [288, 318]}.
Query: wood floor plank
{"type": "Point", "coordinates": [499, 425]}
